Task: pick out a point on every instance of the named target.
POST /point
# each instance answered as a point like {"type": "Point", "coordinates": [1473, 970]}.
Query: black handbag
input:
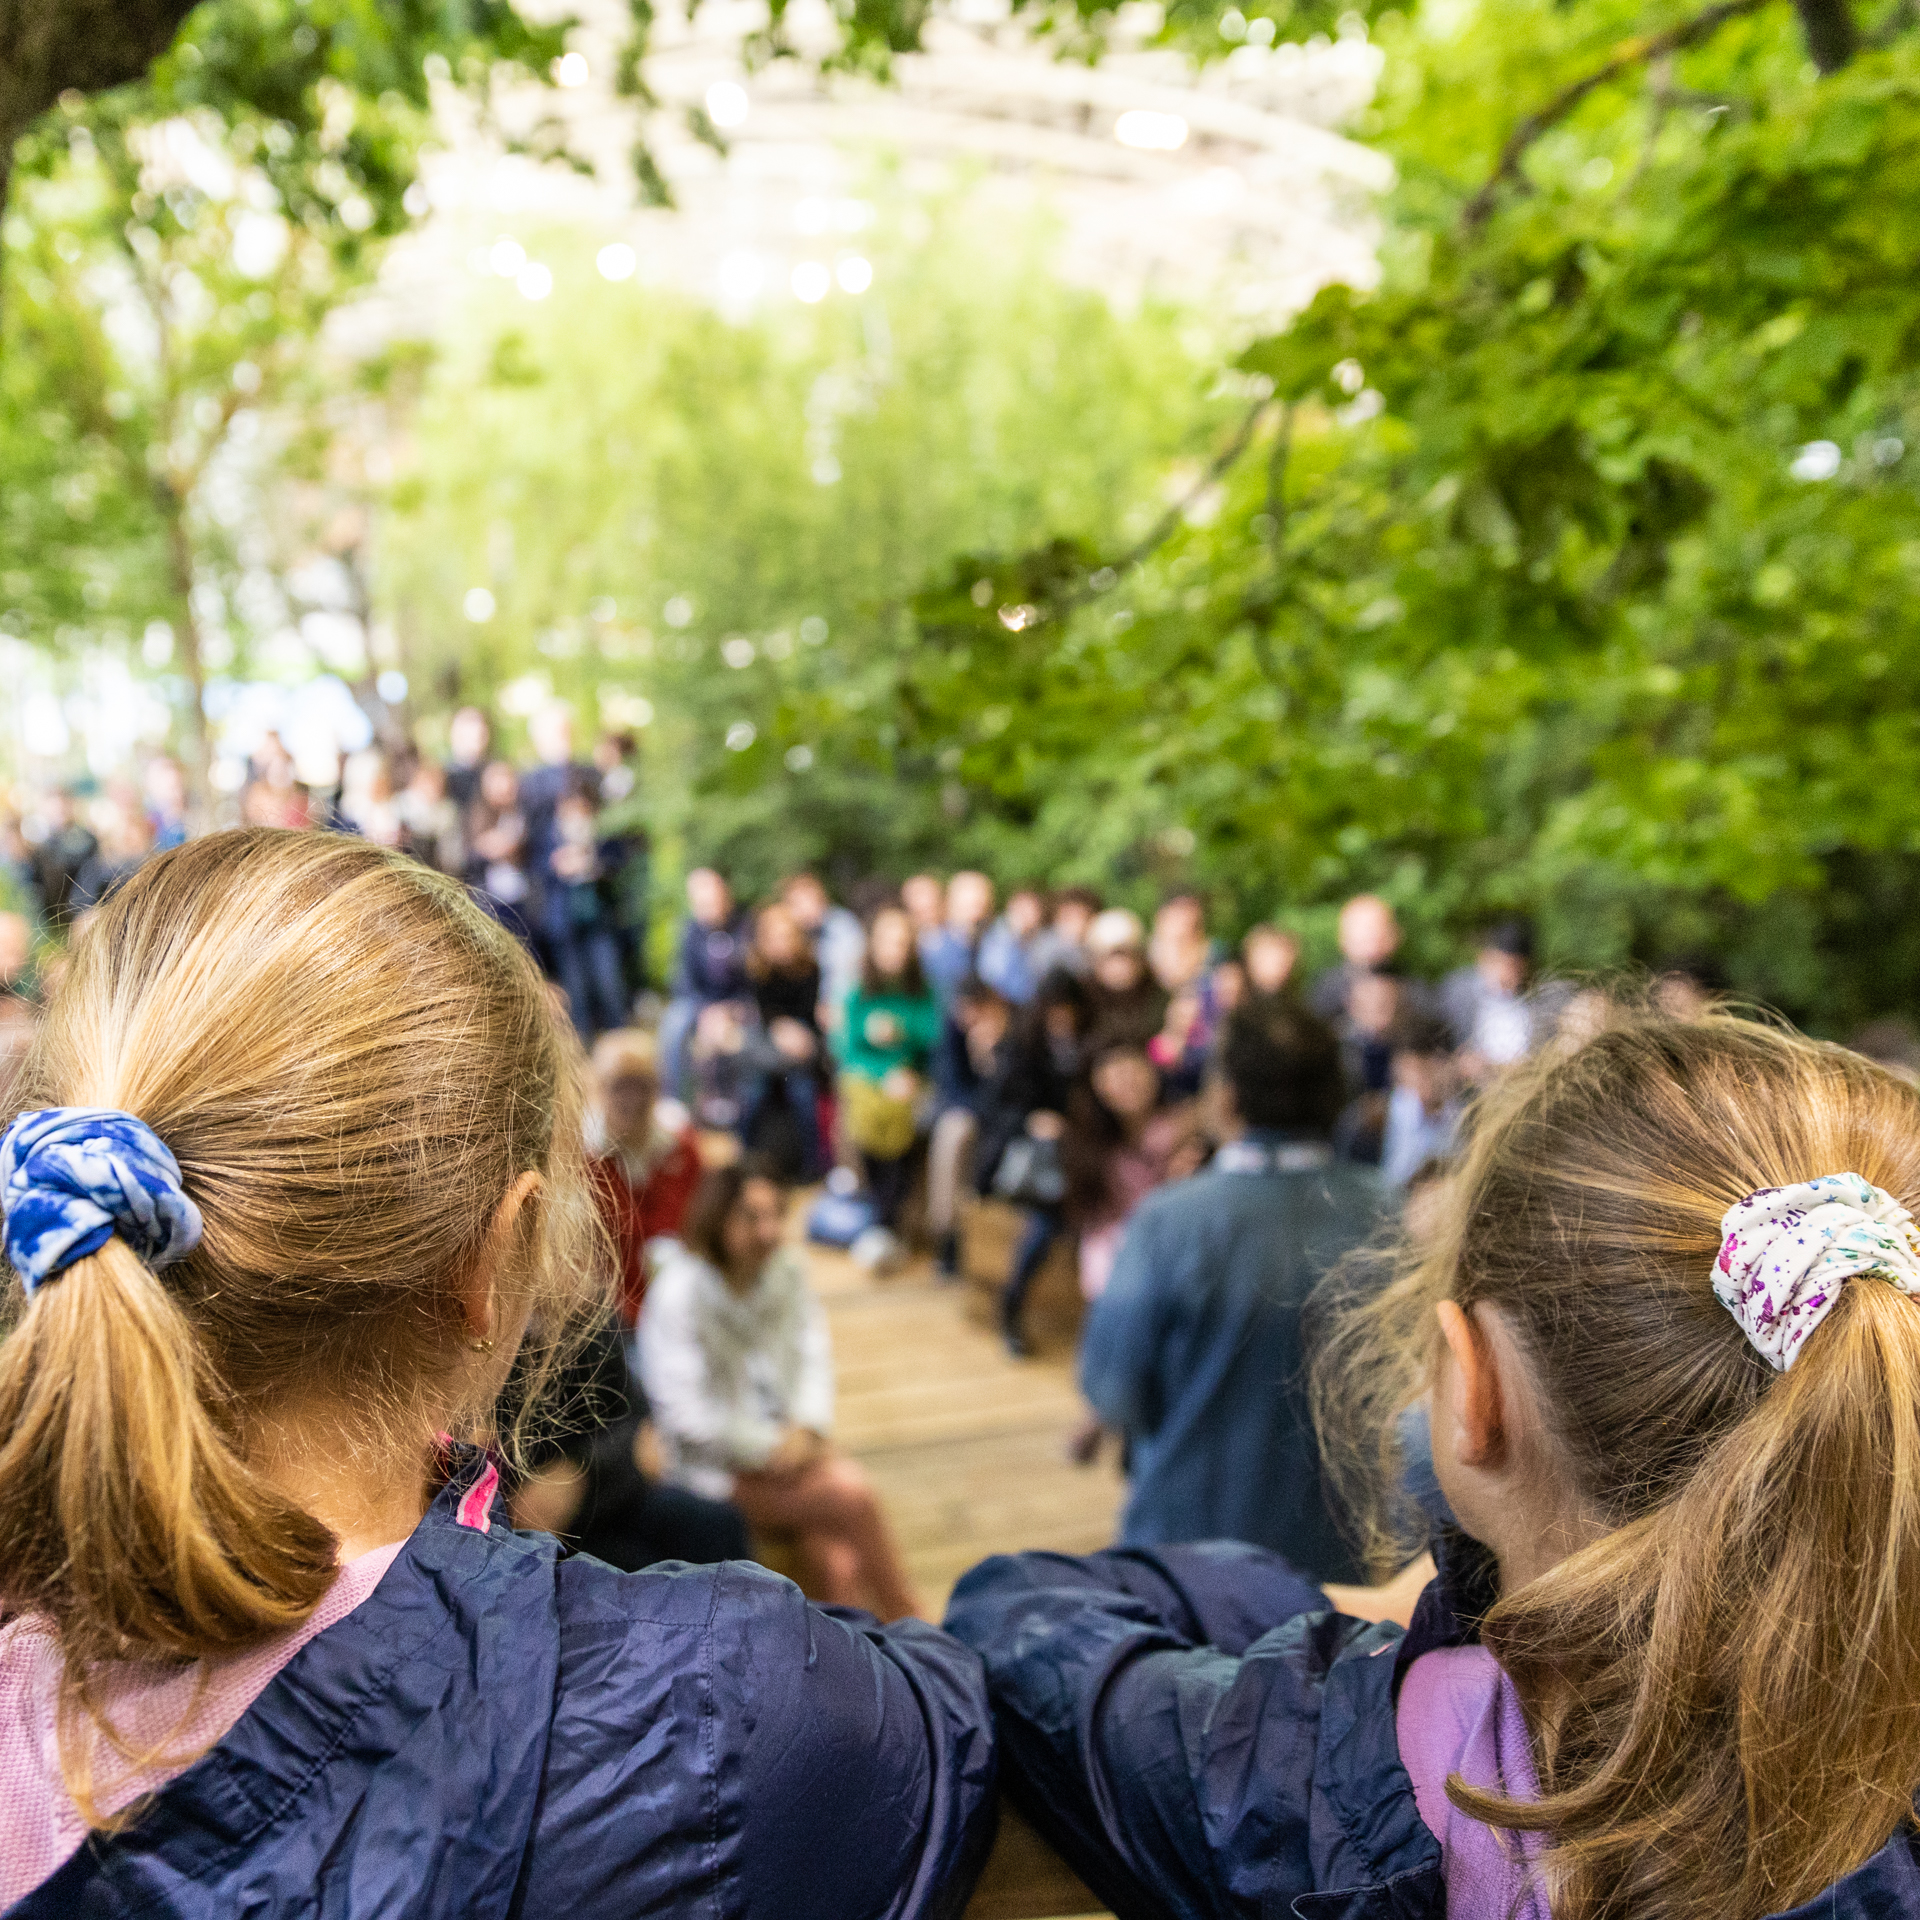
{"type": "Point", "coordinates": [1030, 1173]}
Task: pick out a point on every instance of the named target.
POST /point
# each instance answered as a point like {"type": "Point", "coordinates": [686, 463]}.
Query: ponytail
{"type": "Point", "coordinates": [127, 1518]}
{"type": "Point", "coordinates": [1721, 1688]}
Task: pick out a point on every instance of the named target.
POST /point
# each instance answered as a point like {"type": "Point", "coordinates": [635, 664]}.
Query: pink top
{"type": "Point", "coordinates": [1459, 1713]}
{"type": "Point", "coordinates": [172, 1713]}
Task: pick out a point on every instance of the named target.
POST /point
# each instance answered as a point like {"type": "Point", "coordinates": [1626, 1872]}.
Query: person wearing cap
{"type": "Point", "coordinates": [1498, 1012]}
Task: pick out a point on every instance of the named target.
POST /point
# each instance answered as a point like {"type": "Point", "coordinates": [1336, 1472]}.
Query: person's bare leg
{"type": "Point", "coordinates": [832, 1568]}
{"type": "Point", "coordinates": [863, 1523]}
{"type": "Point", "coordinates": [833, 1500]}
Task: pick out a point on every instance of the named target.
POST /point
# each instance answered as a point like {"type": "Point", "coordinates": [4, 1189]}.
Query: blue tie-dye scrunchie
{"type": "Point", "coordinates": [72, 1177]}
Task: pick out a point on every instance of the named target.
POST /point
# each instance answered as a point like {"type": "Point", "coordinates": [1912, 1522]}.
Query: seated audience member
{"type": "Point", "coordinates": [710, 971]}
{"type": "Point", "coordinates": [837, 938]}
{"type": "Point", "coordinates": [469, 746]}
{"type": "Point", "coordinates": [495, 835]}
{"type": "Point", "coordinates": [67, 844]}
{"type": "Point", "coordinates": [925, 899]}
{"type": "Point", "coordinates": [1061, 945]}
{"type": "Point", "coordinates": [125, 840]}
{"type": "Point", "coordinates": [890, 1028]}
{"type": "Point", "coordinates": [164, 789]}
{"type": "Point", "coordinates": [1667, 1665]}
{"type": "Point", "coordinates": [948, 952]}
{"type": "Point", "coordinates": [790, 1058]}
{"type": "Point", "coordinates": [1022, 1120]}
{"type": "Point", "coordinates": [1427, 1103]}
{"type": "Point", "coordinates": [1126, 1002]}
{"type": "Point", "coordinates": [328, 1172]}
{"type": "Point", "coordinates": [1369, 936]}
{"type": "Point", "coordinates": [1008, 947]}
{"type": "Point", "coordinates": [973, 1040]}
{"type": "Point", "coordinates": [1268, 956]}
{"type": "Point", "coordinates": [430, 818]}
{"type": "Point", "coordinates": [1179, 951]}
{"type": "Point", "coordinates": [1498, 1013]}
{"type": "Point", "coordinates": [738, 1372]}
{"type": "Point", "coordinates": [644, 1158]}
{"type": "Point", "coordinates": [1194, 1351]}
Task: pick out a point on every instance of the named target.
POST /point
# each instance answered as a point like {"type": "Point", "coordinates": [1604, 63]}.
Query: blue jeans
{"type": "Point", "coordinates": [586, 964]}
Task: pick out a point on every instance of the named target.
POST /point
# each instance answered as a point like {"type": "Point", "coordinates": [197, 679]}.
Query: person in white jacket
{"type": "Point", "coordinates": [737, 1367]}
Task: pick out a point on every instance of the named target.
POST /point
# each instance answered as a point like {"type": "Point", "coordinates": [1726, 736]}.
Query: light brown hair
{"type": "Point", "coordinates": [351, 1064]}
{"type": "Point", "coordinates": [1722, 1689]}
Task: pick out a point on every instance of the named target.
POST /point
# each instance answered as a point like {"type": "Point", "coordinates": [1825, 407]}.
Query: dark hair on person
{"type": "Point", "coordinates": [719, 1191]}
{"type": "Point", "coordinates": [1095, 1133]}
{"type": "Point", "coordinates": [1075, 896]}
{"type": "Point", "coordinates": [1282, 1065]}
{"type": "Point", "coordinates": [1423, 1034]}
{"type": "Point", "coordinates": [1720, 1687]}
{"type": "Point", "coordinates": [911, 980]}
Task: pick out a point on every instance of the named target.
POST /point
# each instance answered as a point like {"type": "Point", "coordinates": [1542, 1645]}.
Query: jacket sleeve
{"type": "Point", "coordinates": [1158, 1717]}
{"type": "Point", "coordinates": [867, 1785]}
{"type": "Point", "coordinates": [1123, 1335]}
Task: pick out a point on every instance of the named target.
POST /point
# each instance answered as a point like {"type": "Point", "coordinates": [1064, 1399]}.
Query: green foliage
{"type": "Point", "coordinates": [1589, 581]}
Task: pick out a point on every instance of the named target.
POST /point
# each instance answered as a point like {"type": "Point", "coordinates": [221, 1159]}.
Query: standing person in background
{"type": "Point", "coordinates": [1179, 951]}
{"type": "Point", "coordinates": [785, 978]}
{"type": "Point", "coordinates": [629, 882]}
{"type": "Point", "coordinates": [644, 1158]}
{"type": "Point", "coordinates": [542, 788]}
{"type": "Point", "coordinates": [66, 845]}
{"type": "Point", "coordinates": [496, 842]}
{"type": "Point", "coordinates": [1369, 937]}
{"type": "Point", "coordinates": [889, 1031]}
{"type": "Point", "coordinates": [709, 970]}
{"type": "Point", "coordinates": [738, 1369]}
{"type": "Point", "coordinates": [1126, 1002]}
{"type": "Point", "coordinates": [947, 952]}
{"type": "Point", "coordinates": [301, 1650]}
{"type": "Point", "coordinates": [470, 741]}
{"type": "Point", "coordinates": [1427, 1105]}
{"type": "Point", "coordinates": [616, 760]}
{"type": "Point", "coordinates": [1008, 947]}
{"type": "Point", "coordinates": [1022, 1120]}
{"type": "Point", "coordinates": [1498, 1012]}
{"type": "Point", "coordinates": [165, 786]}
{"type": "Point", "coordinates": [925, 898]}
{"type": "Point", "coordinates": [577, 921]}
{"type": "Point", "coordinates": [973, 1039]}
{"type": "Point", "coordinates": [1062, 943]}
{"type": "Point", "coordinates": [1195, 1352]}
{"type": "Point", "coordinates": [430, 819]}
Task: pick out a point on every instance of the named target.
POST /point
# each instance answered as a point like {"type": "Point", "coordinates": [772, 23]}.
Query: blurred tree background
{"type": "Point", "coordinates": [1575, 569]}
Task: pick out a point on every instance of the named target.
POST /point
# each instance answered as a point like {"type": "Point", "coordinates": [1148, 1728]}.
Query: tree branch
{"type": "Point", "coordinates": [1629, 53]}
{"type": "Point", "coordinates": [1163, 528]}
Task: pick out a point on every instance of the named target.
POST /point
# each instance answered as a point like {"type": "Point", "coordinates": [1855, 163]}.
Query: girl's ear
{"type": "Point", "coordinates": [1478, 1405]}
{"type": "Point", "coordinates": [478, 1302]}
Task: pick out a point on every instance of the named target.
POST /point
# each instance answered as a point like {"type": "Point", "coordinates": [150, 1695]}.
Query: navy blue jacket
{"type": "Point", "coordinates": [1202, 1739]}
{"type": "Point", "coordinates": [496, 1731]}
{"type": "Point", "coordinates": [1194, 1351]}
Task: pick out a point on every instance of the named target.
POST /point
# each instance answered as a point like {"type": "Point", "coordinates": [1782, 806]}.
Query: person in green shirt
{"type": "Point", "coordinates": [888, 1033]}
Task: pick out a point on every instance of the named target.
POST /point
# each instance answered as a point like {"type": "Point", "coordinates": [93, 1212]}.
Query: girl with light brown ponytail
{"type": "Point", "coordinates": [298, 1164]}
{"type": "Point", "coordinates": [1669, 1667]}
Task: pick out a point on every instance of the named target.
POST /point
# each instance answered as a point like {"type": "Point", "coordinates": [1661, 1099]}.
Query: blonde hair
{"type": "Point", "coordinates": [1721, 1689]}
{"type": "Point", "coordinates": [626, 1050]}
{"type": "Point", "coordinates": [351, 1064]}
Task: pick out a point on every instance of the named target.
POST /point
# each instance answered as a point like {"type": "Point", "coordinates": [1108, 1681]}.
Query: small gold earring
{"type": "Point", "coordinates": [481, 1346]}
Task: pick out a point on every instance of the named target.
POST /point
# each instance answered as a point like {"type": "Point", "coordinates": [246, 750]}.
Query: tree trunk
{"type": "Point", "coordinates": [1833, 38]}
{"type": "Point", "coordinates": [180, 556]}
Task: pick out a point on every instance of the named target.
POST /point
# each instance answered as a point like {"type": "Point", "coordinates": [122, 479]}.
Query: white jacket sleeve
{"type": "Point", "coordinates": [696, 1411]}
{"type": "Point", "coordinates": [813, 1378]}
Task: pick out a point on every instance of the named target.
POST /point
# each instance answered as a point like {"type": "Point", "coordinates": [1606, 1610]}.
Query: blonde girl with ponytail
{"type": "Point", "coordinates": [1670, 1666]}
{"type": "Point", "coordinates": [298, 1163]}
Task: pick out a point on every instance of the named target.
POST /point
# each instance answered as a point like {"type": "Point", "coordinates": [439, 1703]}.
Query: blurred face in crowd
{"type": "Point", "coordinates": [166, 787]}
{"type": "Point", "coordinates": [628, 1096]}
{"type": "Point", "coordinates": [969, 900]}
{"type": "Point", "coordinates": [891, 941]}
{"type": "Point", "coordinates": [1127, 1084]}
{"type": "Point", "coordinates": [777, 934]}
{"type": "Point", "coordinates": [1681, 997]}
{"type": "Point", "coordinates": [1071, 919]}
{"type": "Point", "coordinates": [1369, 934]}
{"type": "Point", "coordinates": [807, 902]}
{"type": "Point", "coordinates": [925, 900]}
{"type": "Point", "coordinates": [553, 735]}
{"type": "Point", "coordinates": [1025, 913]}
{"type": "Point", "coordinates": [1504, 972]}
{"type": "Point", "coordinates": [1120, 969]}
{"type": "Point", "coordinates": [1372, 1002]}
{"type": "Point", "coordinates": [1179, 946]}
{"type": "Point", "coordinates": [1270, 956]}
{"type": "Point", "coordinates": [754, 1229]}
{"type": "Point", "coordinates": [469, 736]}
{"type": "Point", "coordinates": [499, 786]}
{"type": "Point", "coordinates": [1432, 1076]}
{"type": "Point", "coordinates": [429, 781]}
{"type": "Point", "coordinates": [709, 898]}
